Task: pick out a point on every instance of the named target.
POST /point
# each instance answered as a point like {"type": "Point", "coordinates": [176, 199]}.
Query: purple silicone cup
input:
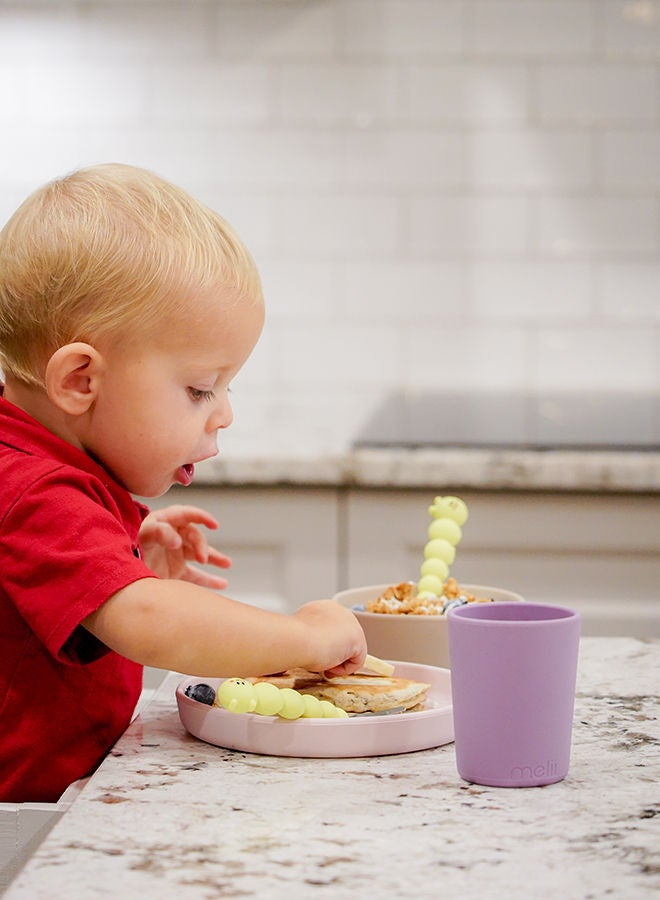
{"type": "Point", "coordinates": [513, 670]}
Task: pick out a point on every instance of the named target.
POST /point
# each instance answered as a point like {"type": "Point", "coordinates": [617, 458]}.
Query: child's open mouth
{"type": "Point", "coordinates": [187, 473]}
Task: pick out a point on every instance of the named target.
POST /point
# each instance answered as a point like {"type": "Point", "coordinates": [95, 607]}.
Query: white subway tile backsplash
{"type": "Point", "coordinates": [11, 198]}
{"type": "Point", "coordinates": [300, 290]}
{"type": "Point", "coordinates": [10, 96]}
{"type": "Point", "coordinates": [357, 354]}
{"type": "Point", "coordinates": [630, 160]}
{"type": "Point", "coordinates": [147, 33]}
{"type": "Point", "coordinates": [252, 30]}
{"type": "Point", "coordinates": [631, 28]}
{"type": "Point", "coordinates": [411, 29]}
{"type": "Point", "coordinates": [336, 94]}
{"type": "Point", "coordinates": [402, 159]}
{"type": "Point", "coordinates": [37, 153]}
{"type": "Point", "coordinates": [435, 191]}
{"type": "Point", "coordinates": [275, 159]}
{"type": "Point", "coordinates": [528, 159]}
{"type": "Point", "coordinates": [246, 436]}
{"type": "Point", "coordinates": [338, 226]}
{"type": "Point", "coordinates": [595, 226]}
{"type": "Point", "coordinates": [531, 291]}
{"type": "Point", "coordinates": [259, 372]}
{"type": "Point", "coordinates": [425, 290]}
{"type": "Point", "coordinates": [598, 94]}
{"type": "Point", "coordinates": [469, 226]}
{"type": "Point", "coordinates": [251, 215]}
{"type": "Point", "coordinates": [187, 155]}
{"type": "Point", "coordinates": [457, 357]}
{"type": "Point", "coordinates": [206, 92]}
{"type": "Point", "coordinates": [596, 358]}
{"type": "Point", "coordinates": [477, 95]}
{"type": "Point", "coordinates": [629, 291]}
{"type": "Point", "coordinates": [59, 94]}
{"type": "Point", "coordinates": [532, 28]}
{"type": "Point", "coordinates": [299, 422]}
{"type": "Point", "coordinates": [37, 35]}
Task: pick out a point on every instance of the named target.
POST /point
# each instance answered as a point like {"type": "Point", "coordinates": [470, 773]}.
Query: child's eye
{"type": "Point", "coordinates": [198, 395]}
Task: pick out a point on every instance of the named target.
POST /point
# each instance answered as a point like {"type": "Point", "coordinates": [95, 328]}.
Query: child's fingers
{"type": "Point", "coordinates": [202, 552]}
{"type": "Point", "coordinates": [204, 579]}
{"type": "Point", "coordinates": [195, 544]}
{"type": "Point", "coordinates": [216, 558]}
{"type": "Point", "coordinates": [162, 533]}
{"type": "Point", "coordinates": [179, 516]}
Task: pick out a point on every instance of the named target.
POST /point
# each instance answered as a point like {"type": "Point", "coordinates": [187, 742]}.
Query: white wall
{"type": "Point", "coordinates": [440, 193]}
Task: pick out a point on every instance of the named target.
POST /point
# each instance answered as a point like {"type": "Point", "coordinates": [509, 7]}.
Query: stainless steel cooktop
{"type": "Point", "coordinates": [599, 421]}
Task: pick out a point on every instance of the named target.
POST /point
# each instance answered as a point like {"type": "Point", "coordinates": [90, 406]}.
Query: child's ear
{"type": "Point", "coordinates": [73, 377]}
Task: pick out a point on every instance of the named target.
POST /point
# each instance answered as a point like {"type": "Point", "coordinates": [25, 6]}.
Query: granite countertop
{"type": "Point", "coordinates": [604, 471]}
{"type": "Point", "coordinates": [169, 816]}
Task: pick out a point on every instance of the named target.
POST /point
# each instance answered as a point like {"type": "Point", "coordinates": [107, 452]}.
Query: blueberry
{"type": "Point", "coordinates": [452, 604]}
{"type": "Point", "coordinates": [203, 693]}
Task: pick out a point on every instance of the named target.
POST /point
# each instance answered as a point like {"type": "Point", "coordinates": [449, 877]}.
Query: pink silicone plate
{"type": "Point", "coordinates": [338, 738]}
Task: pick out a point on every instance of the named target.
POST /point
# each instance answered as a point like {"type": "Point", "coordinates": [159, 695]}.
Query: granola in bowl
{"type": "Point", "coordinates": [403, 599]}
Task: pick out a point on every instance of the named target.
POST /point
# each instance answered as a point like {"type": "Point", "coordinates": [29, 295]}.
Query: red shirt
{"type": "Point", "coordinates": [68, 541]}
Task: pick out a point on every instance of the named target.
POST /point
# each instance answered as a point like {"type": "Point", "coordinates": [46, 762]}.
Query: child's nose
{"type": "Point", "coordinates": [222, 415]}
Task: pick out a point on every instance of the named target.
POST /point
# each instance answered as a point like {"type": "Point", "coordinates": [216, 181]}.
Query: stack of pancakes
{"type": "Point", "coordinates": [356, 693]}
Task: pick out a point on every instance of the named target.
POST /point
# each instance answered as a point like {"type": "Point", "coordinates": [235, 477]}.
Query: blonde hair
{"type": "Point", "coordinates": [106, 253]}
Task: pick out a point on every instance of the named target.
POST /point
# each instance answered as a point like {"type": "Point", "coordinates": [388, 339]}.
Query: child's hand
{"type": "Point", "coordinates": [339, 643]}
{"type": "Point", "coordinates": [169, 538]}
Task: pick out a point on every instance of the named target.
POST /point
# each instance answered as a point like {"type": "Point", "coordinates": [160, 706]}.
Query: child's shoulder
{"type": "Point", "coordinates": [29, 481]}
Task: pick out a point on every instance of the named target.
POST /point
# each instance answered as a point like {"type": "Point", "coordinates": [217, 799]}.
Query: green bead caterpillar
{"type": "Point", "coordinates": [240, 696]}
{"type": "Point", "coordinates": [448, 514]}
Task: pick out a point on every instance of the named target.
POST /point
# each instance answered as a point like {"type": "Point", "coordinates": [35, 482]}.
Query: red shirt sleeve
{"type": "Point", "coordinates": [66, 548]}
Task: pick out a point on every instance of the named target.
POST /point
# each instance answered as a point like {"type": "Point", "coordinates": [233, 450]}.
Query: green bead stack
{"type": "Point", "coordinates": [448, 514]}
{"type": "Point", "coordinates": [239, 695]}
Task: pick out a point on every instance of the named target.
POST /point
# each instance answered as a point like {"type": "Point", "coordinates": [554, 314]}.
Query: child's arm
{"type": "Point", "coordinates": [169, 538]}
{"type": "Point", "coordinates": [184, 627]}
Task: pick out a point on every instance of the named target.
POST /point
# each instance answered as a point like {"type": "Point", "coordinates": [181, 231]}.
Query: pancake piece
{"type": "Point", "coordinates": [368, 693]}
{"type": "Point", "coordinates": [379, 666]}
{"type": "Point", "coordinates": [355, 693]}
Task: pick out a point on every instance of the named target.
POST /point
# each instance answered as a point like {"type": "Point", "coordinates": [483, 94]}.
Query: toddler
{"type": "Point", "coordinates": [126, 309]}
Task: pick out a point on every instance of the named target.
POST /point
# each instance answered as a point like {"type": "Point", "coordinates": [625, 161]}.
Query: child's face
{"type": "Point", "coordinates": [159, 407]}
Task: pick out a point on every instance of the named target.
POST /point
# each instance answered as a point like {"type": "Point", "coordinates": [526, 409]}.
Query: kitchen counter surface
{"type": "Point", "coordinates": [169, 816]}
{"type": "Point", "coordinates": [462, 468]}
